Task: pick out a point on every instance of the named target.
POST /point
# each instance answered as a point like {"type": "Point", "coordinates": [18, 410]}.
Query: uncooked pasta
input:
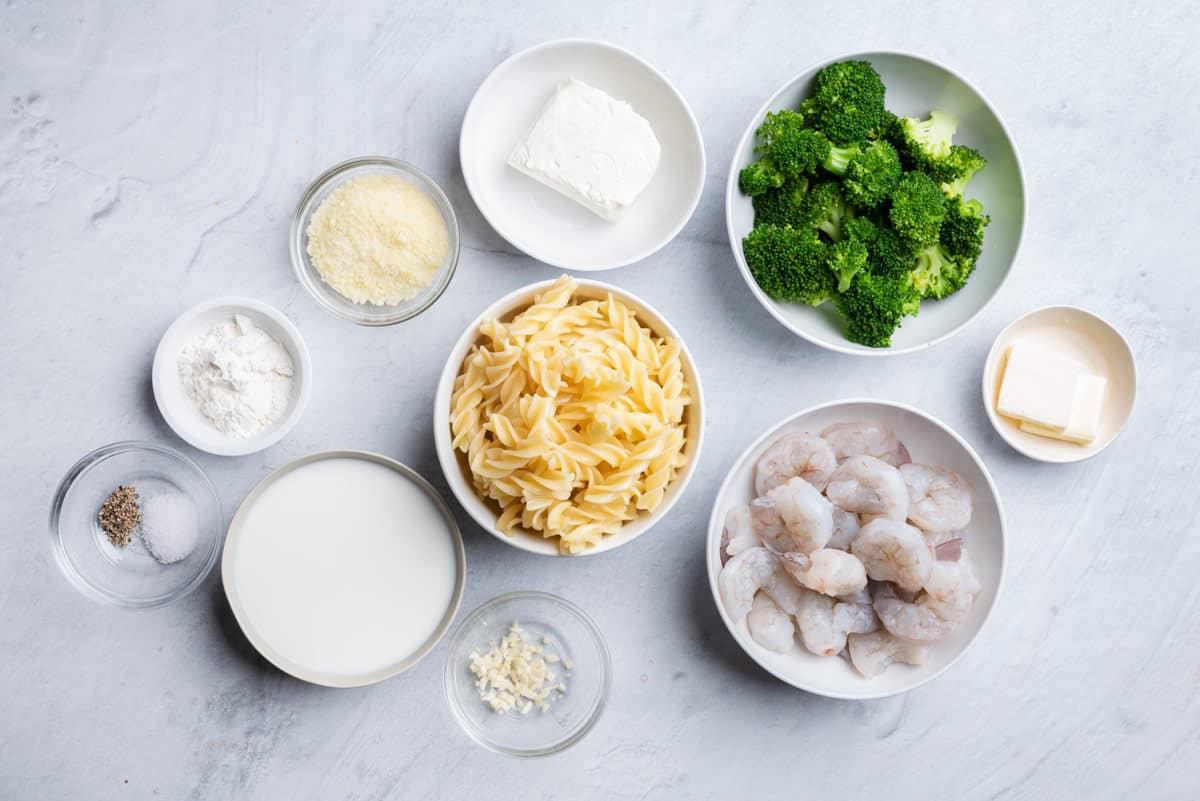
{"type": "Point", "coordinates": [571, 417]}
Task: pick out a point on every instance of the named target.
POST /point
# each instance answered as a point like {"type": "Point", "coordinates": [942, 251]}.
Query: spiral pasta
{"type": "Point", "coordinates": [571, 417]}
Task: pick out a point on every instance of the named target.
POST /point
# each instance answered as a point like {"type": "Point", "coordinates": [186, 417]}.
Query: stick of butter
{"type": "Point", "coordinates": [1085, 413]}
{"type": "Point", "coordinates": [1039, 386]}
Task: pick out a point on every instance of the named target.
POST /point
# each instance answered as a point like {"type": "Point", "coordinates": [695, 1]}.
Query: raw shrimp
{"type": "Point", "coordinates": [805, 455]}
{"type": "Point", "coordinates": [910, 621]}
{"type": "Point", "coordinates": [859, 438]}
{"type": "Point", "coordinates": [770, 626]}
{"type": "Point", "coordinates": [951, 589]}
{"type": "Point", "coordinates": [938, 499]}
{"type": "Point", "coordinates": [742, 577]}
{"type": "Point", "coordinates": [738, 534]}
{"type": "Point", "coordinates": [827, 571]}
{"type": "Point", "coordinates": [894, 551]}
{"type": "Point", "coordinates": [950, 550]}
{"type": "Point", "coordinates": [871, 654]}
{"type": "Point", "coordinates": [768, 525]}
{"type": "Point", "coordinates": [870, 487]}
{"type": "Point", "coordinates": [824, 623]}
{"type": "Point", "coordinates": [806, 514]}
{"type": "Point", "coordinates": [937, 539]}
{"type": "Point", "coordinates": [845, 529]}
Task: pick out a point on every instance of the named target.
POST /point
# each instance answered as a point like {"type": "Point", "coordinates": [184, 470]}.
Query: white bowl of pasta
{"type": "Point", "coordinates": [568, 418]}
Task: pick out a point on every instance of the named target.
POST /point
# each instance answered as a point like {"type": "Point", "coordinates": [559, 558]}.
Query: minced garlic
{"type": "Point", "coordinates": [377, 239]}
{"type": "Point", "coordinates": [515, 675]}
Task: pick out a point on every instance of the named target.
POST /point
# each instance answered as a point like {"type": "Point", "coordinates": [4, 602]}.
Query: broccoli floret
{"type": "Point", "coordinates": [889, 256]}
{"type": "Point", "coordinates": [873, 307]}
{"type": "Point", "coordinates": [925, 145]}
{"type": "Point", "coordinates": [860, 229]}
{"type": "Point", "coordinates": [846, 258]}
{"type": "Point", "coordinates": [917, 210]}
{"type": "Point", "coordinates": [759, 177]}
{"type": "Point", "coordinates": [964, 162]}
{"type": "Point", "coordinates": [939, 274]}
{"type": "Point", "coordinates": [782, 206]}
{"type": "Point", "coordinates": [838, 157]}
{"type": "Point", "coordinates": [788, 147]}
{"type": "Point", "coordinates": [789, 264]}
{"type": "Point", "coordinates": [825, 208]}
{"type": "Point", "coordinates": [962, 229]}
{"type": "Point", "coordinates": [873, 174]}
{"type": "Point", "coordinates": [847, 101]}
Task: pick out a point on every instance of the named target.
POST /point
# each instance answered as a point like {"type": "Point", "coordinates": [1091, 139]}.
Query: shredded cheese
{"type": "Point", "coordinates": [515, 675]}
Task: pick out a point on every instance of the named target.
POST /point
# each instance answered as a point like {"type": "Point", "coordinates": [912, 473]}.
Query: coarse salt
{"type": "Point", "coordinates": [169, 527]}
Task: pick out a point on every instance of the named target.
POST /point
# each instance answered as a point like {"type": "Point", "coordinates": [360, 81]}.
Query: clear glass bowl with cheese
{"type": "Point", "coordinates": [374, 241]}
{"type": "Point", "coordinates": [557, 657]}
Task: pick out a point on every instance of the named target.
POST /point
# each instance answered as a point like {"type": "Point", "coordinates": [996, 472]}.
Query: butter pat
{"type": "Point", "coordinates": [1085, 413]}
{"type": "Point", "coordinates": [1039, 386]}
{"type": "Point", "coordinates": [590, 147]}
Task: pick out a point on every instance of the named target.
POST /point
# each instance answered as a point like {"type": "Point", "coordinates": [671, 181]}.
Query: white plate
{"type": "Point", "coordinates": [178, 409]}
{"type": "Point", "coordinates": [915, 86]}
{"type": "Point", "coordinates": [1081, 335]}
{"type": "Point", "coordinates": [548, 226]}
{"type": "Point", "coordinates": [454, 463]}
{"type": "Point", "coordinates": [929, 441]}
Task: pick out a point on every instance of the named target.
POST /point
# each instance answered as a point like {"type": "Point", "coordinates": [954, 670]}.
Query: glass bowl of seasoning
{"type": "Point", "coordinates": [135, 524]}
{"type": "Point", "coordinates": [527, 674]}
{"type": "Point", "coordinates": [374, 241]}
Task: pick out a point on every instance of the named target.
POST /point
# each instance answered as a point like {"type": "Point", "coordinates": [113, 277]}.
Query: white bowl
{"type": "Point", "coordinates": [454, 464]}
{"type": "Point", "coordinates": [915, 86]}
{"type": "Point", "coordinates": [545, 224]}
{"type": "Point", "coordinates": [1086, 337]}
{"type": "Point", "coordinates": [929, 441]}
{"type": "Point", "coordinates": [177, 407]}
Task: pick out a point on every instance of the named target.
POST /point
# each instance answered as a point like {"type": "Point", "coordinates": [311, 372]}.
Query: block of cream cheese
{"type": "Point", "coordinates": [592, 148]}
{"type": "Point", "coordinates": [1039, 385]}
{"type": "Point", "coordinates": [1085, 413]}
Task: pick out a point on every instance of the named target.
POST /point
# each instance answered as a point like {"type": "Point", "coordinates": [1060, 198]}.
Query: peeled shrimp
{"type": "Point", "coordinates": [806, 514]}
{"type": "Point", "coordinates": [826, 571]}
{"type": "Point", "coordinates": [866, 439]}
{"type": "Point", "coordinates": [894, 551]}
{"type": "Point", "coordinates": [870, 487]}
{"type": "Point", "coordinates": [805, 455]}
{"type": "Point", "coordinates": [910, 621]}
{"type": "Point", "coordinates": [938, 499]}
{"type": "Point", "coordinates": [951, 589]}
{"type": "Point", "coordinates": [742, 577]}
{"type": "Point", "coordinates": [738, 534]}
{"type": "Point", "coordinates": [845, 529]}
{"type": "Point", "coordinates": [770, 626]}
{"type": "Point", "coordinates": [871, 654]}
{"type": "Point", "coordinates": [824, 623]}
{"type": "Point", "coordinates": [768, 525]}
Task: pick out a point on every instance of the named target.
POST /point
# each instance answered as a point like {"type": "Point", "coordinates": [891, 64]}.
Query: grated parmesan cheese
{"type": "Point", "coordinates": [515, 675]}
{"type": "Point", "coordinates": [377, 239]}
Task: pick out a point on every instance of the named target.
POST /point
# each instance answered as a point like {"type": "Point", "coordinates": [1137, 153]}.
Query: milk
{"type": "Point", "coordinates": [344, 566]}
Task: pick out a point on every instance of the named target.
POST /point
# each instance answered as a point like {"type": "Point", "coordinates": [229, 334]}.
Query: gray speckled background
{"type": "Point", "coordinates": [151, 156]}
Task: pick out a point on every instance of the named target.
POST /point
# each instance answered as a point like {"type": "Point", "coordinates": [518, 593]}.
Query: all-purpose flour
{"type": "Point", "coordinates": [238, 376]}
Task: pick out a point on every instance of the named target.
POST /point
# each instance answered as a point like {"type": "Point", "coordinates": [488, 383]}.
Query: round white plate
{"type": "Point", "coordinates": [915, 86]}
{"type": "Point", "coordinates": [929, 441]}
{"type": "Point", "coordinates": [545, 224]}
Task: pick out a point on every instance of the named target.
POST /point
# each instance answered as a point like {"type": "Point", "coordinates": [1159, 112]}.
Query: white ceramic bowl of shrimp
{"type": "Point", "coordinates": [929, 441]}
{"type": "Point", "coordinates": [458, 472]}
{"type": "Point", "coordinates": [915, 86]}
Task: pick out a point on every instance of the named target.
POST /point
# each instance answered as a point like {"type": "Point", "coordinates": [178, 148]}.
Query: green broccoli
{"type": "Point", "coordinates": [889, 256]}
{"type": "Point", "coordinates": [873, 307]}
{"type": "Point", "coordinates": [825, 208]}
{"type": "Point", "coordinates": [789, 264]}
{"type": "Point", "coordinates": [847, 102]}
{"type": "Point", "coordinates": [962, 229]}
{"type": "Point", "coordinates": [782, 206]}
{"type": "Point", "coordinates": [838, 157]}
{"type": "Point", "coordinates": [861, 229]}
{"type": "Point", "coordinates": [846, 258]}
{"type": "Point", "coordinates": [964, 162]}
{"type": "Point", "coordinates": [759, 177]}
{"type": "Point", "coordinates": [939, 274]}
{"type": "Point", "coordinates": [788, 147]}
{"type": "Point", "coordinates": [925, 145]}
{"type": "Point", "coordinates": [917, 210]}
{"type": "Point", "coordinates": [872, 175]}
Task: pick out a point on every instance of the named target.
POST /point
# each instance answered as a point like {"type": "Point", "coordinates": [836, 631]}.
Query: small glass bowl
{"type": "Point", "coordinates": [310, 277]}
{"type": "Point", "coordinates": [130, 576]}
{"type": "Point", "coordinates": [561, 628]}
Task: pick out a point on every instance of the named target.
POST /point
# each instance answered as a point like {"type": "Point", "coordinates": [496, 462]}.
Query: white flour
{"type": "Point", "coordinates": [238, 376]}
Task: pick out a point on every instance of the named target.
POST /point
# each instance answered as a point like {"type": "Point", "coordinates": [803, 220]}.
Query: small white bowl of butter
{"type": "Point", "coordinates": [1060, 384]}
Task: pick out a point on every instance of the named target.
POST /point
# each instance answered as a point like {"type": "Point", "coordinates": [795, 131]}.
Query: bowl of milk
{"type": "Point", "coordinates": [343, 568]}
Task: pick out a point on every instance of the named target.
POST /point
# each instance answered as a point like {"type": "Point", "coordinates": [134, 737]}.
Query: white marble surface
{"type": "Point", "coordinates": [151, 156]}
